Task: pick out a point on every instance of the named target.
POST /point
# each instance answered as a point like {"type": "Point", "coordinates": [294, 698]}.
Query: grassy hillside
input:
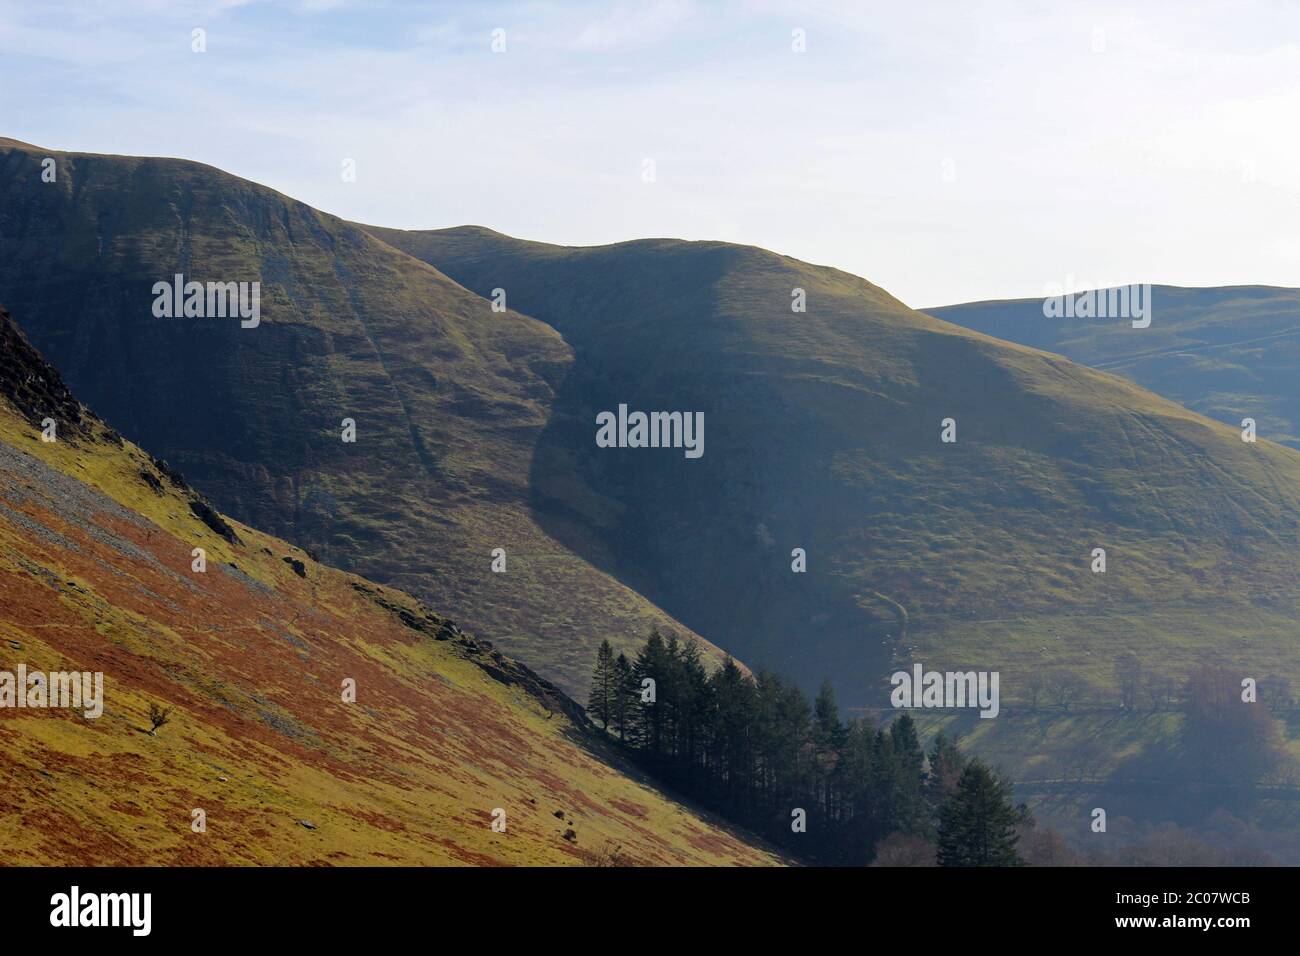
{"type": "Point", "coordinates": [449, 397]}
{"type": "Point", "coordinates": [1228, 353]}
{"type": "Point", "coordinates": [476, 430]}
{"type": "Point", "coordinates": [823, 432]}
{"type": "Point", "coordinates": [96, 574]}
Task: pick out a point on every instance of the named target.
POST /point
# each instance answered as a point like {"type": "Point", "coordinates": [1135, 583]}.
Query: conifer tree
{"type": "Point", "coordinates": [600, 702]}
{"type": "Point", "coordinates": [735, 695]}
{"type": "Point", "coordinates": [946, 766]}
{"type": "Point", "coordinates": [652, 664]}
{"type": "Point", "coordinates": [625, 696]}
{"type": "Point", "coordinates": [756, 749]}
{"type": "Point", "coordinates": [694, 710]}
{"type": "Point", "coordinates": [827, 734]}
{"type": "Point", "coordinates": [911, 814]}
{"type": "Point", "coordinates": [977, 825]}
{"type": "Point", "coordinates": [861, 795]}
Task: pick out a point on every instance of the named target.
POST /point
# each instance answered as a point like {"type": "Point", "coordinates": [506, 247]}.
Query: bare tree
{"type": "Point", "coordinates": [1066, 688]}
{"type": "Point", "coordinates": [1128, 677]}
{"type": "Point", "coordinates": [1161, 689]}
{"type": "Point", "coordinates": [1225, 737]}
{"type": "Point", "coordinates": [1045, 847]}
{"type": "Point", "coordinates": [607, 855]}
{"type": "Point", "coordinates": [158, 716]}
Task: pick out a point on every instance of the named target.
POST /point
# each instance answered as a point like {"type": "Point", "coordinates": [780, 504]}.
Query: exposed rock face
{"type": "Point", "coordinates": [32, 385]}
{"type": "Point", "coordinates": [496, 665]}
{"type": "Point", "coordinates": [36, 389]}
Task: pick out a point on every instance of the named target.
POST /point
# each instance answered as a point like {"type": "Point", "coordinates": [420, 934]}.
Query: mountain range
{"type": "Point", "coordinates": [878, 486]}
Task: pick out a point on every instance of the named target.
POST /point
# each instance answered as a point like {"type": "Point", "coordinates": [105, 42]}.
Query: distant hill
{"type": "Point", "coordinates": [824, 433]}
{"type": "Point", "coordinates": [1229, 353]}
{"type": "Point", "coordinates": [250, 656]}
{"type": "Point", "coordinates": [448, 397]}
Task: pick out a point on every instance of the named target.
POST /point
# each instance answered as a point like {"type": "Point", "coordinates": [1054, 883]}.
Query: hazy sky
{"type": "Point", "coordinates": [945, 151]}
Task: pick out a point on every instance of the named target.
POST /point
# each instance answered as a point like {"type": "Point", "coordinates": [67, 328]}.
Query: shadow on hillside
{"type": "Point", "coordinates": [705, 539]}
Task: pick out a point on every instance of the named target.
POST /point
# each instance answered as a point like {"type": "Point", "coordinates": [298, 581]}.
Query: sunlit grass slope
{"type": "Point", "coordinates": [1230, 353]}
{"type": "Point", "coordinates": [96, 574]}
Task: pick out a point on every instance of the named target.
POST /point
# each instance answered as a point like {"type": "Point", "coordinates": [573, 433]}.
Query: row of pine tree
{"type": "Point", "coordinates": [828, 791]}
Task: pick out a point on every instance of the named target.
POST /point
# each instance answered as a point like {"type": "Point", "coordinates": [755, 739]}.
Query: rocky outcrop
{"type": "Point", "coordinates": [33, 386]}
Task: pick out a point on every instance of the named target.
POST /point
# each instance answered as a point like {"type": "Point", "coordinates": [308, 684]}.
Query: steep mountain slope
{"type": "Point", "coordinates": [824, 433]}
{"type": "Point", "coordinates": [1228, 353]}
{"type": "Point", "coordinates": [448, 397]}
{"type": "Point", "coordinates": [251, 655]}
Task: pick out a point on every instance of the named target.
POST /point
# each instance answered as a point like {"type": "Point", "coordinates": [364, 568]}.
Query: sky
{"type": "Point", "coordinates": [946, 151]}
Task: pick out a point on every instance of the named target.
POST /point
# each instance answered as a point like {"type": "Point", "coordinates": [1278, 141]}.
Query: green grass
{"type": "Point", "coordinates": [1171, 640]}
{"type": "Point", "coordinates": [822, 432]}
{"type": "Point", "coordinates": [251, 665]}
{"type": "Point", "coordinates": [824, 429]}
{"type": "Point", "coordinates": [449, 397]}
{"type": "Point", "coordinates": [1228, 353]}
